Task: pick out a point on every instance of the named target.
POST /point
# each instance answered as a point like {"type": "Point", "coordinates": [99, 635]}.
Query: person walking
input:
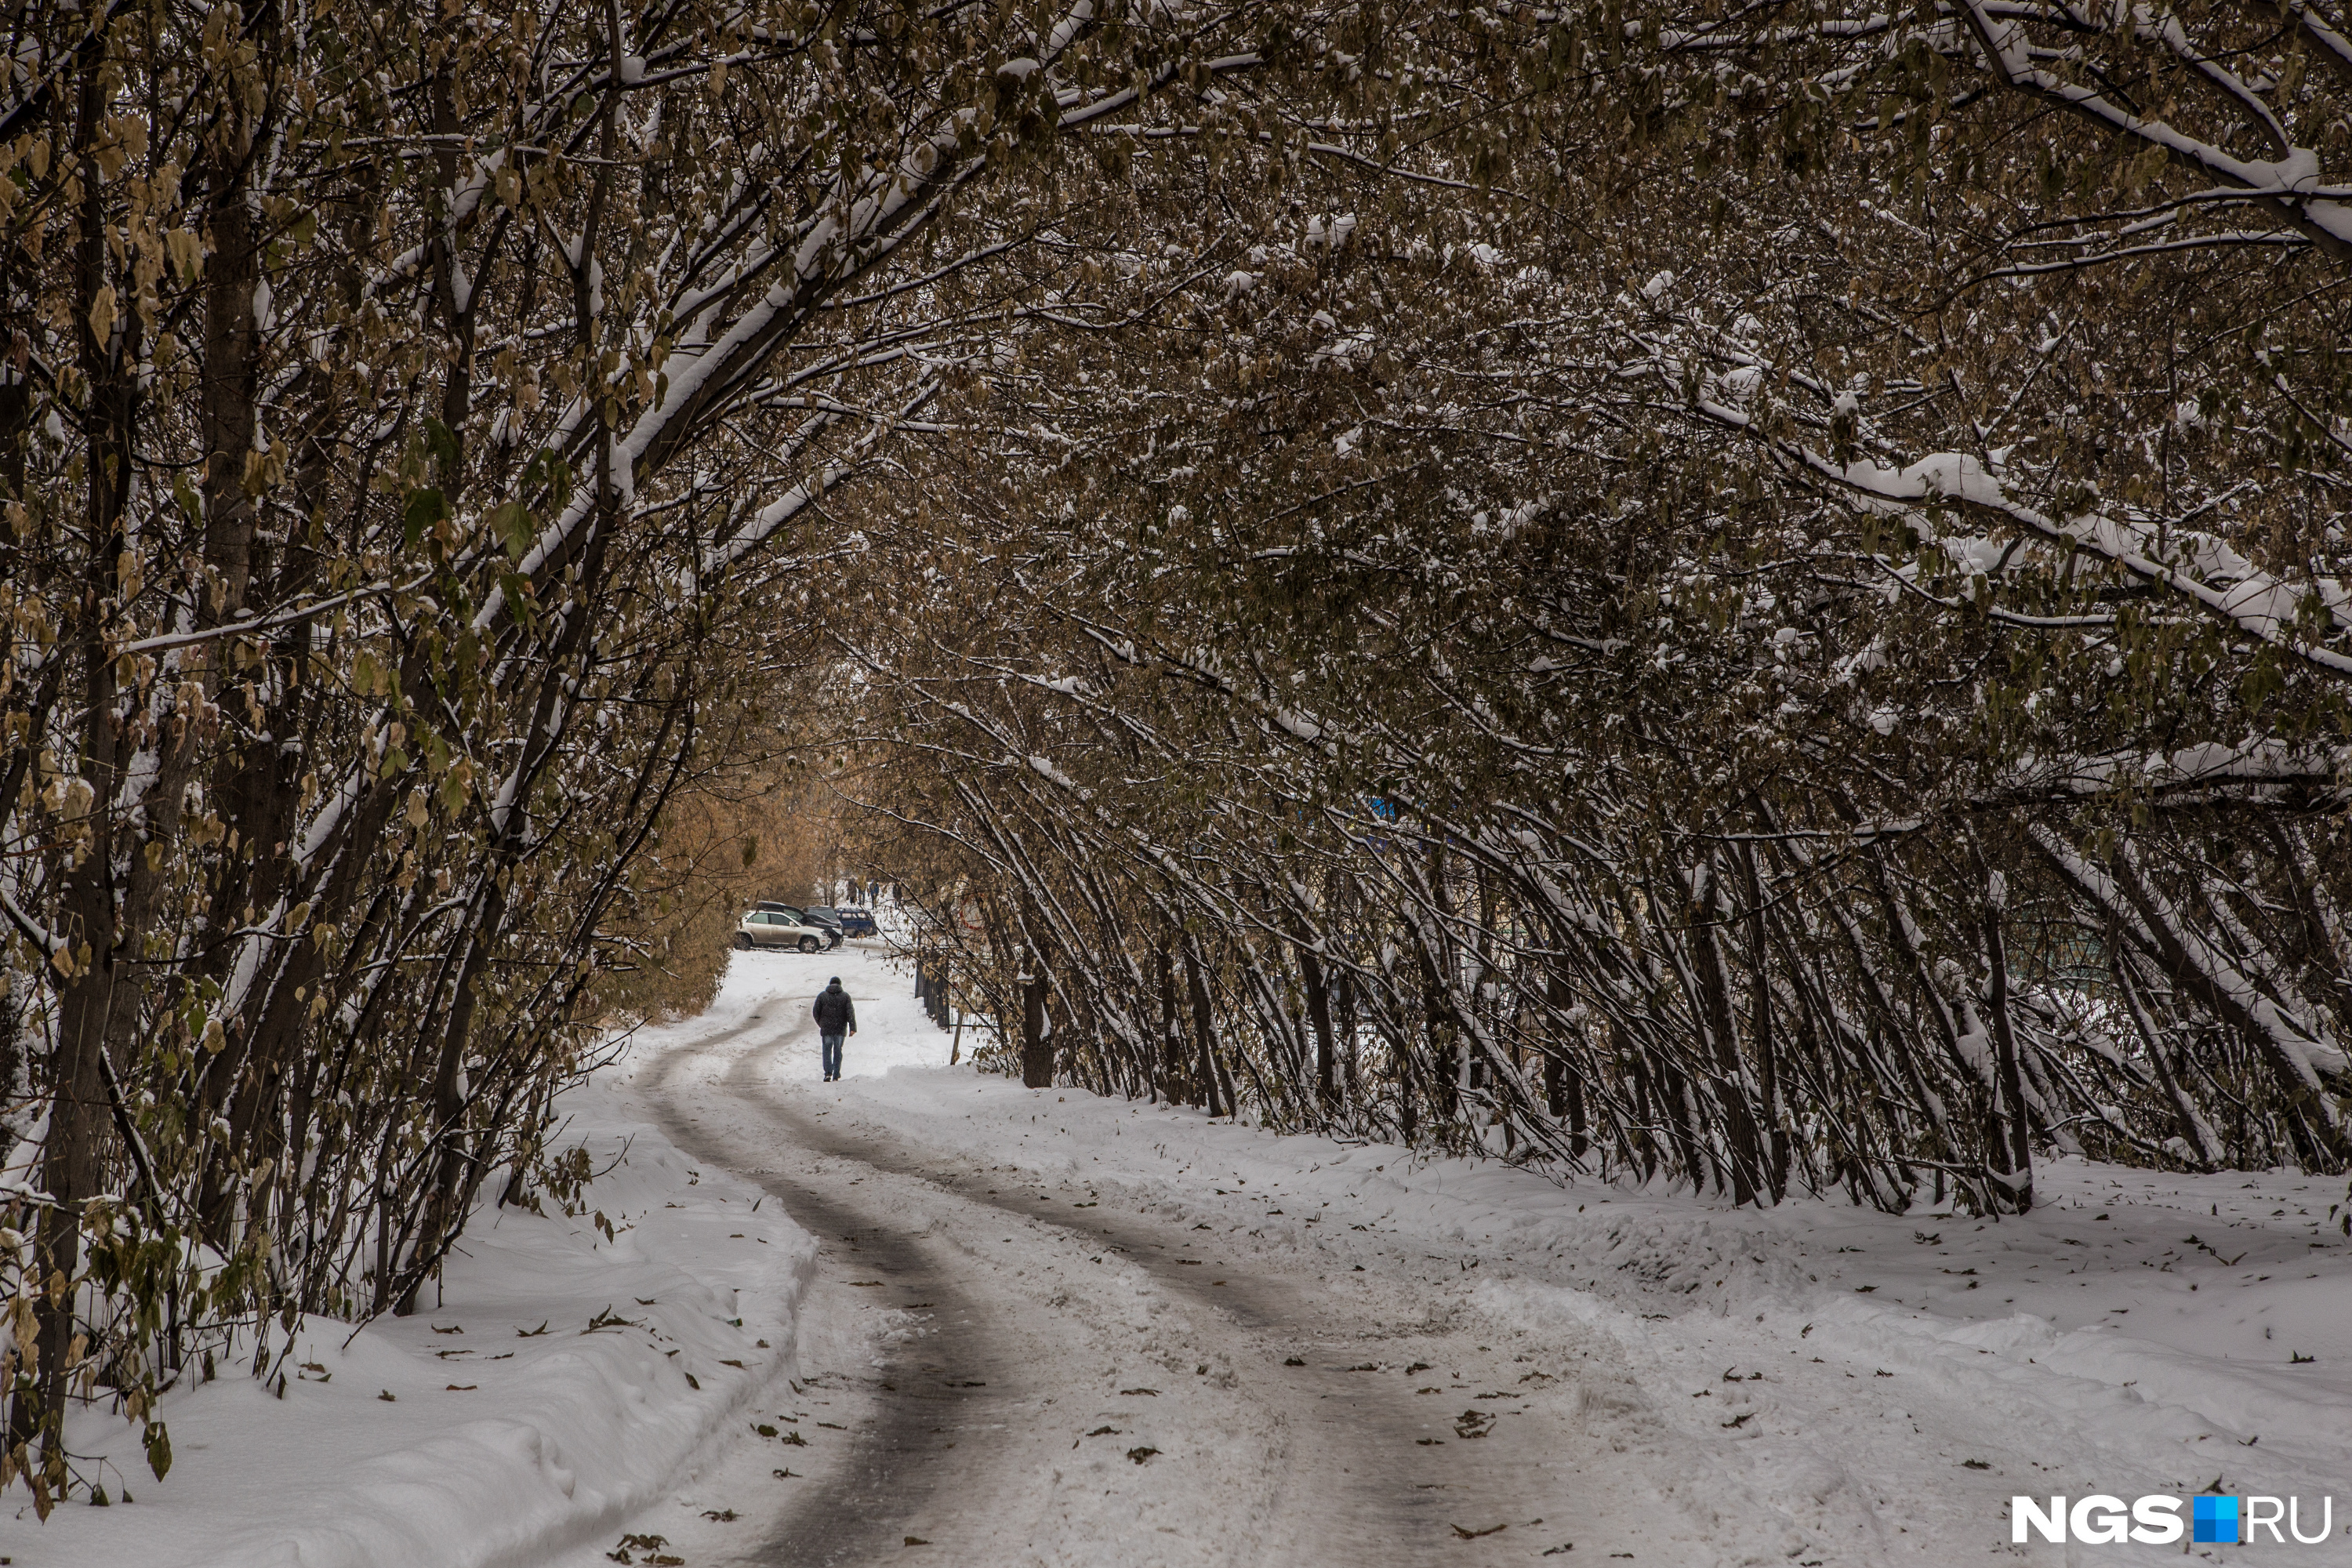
{"type": "Point", "coordinates": [836, 1016]}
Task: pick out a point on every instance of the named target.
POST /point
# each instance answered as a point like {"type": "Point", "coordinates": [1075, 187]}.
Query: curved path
{"type": "Point", "coordinates": [1032, 1378]}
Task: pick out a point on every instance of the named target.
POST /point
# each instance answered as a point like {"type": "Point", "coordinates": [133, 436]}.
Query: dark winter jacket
{"type": "Point", "coordinates": [835, 1013]}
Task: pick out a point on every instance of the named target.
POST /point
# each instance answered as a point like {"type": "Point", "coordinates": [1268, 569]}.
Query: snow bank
{"type": "Point", "coordinates": [561, 1381]}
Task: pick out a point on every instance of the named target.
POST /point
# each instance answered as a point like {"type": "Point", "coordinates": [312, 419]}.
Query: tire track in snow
{"type": "Point", "coordinates": [896, 1461]}
{"type": "Point", "coordinates": [1316, 1463]}
{"type": "Point", "coordinates": [1359, 1476]}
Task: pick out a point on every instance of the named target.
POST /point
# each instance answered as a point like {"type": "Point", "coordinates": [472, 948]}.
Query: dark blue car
{"type": "Point", "coordinates": [856, 923]}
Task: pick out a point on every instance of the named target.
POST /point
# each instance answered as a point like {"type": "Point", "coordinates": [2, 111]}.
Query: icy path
{"type": "Point", "coordinates": [1644, 1372]}
{"type": "Point", "coordinates": [1014, 1373]}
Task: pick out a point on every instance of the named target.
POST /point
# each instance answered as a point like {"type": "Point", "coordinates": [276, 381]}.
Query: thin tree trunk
{"type": "Point", "coordinates": [1171, 1074]}
{"type": "Point", "coordinates": [1204, 1030]}
{"type": "Point", "coordinates": [1767, 1065]}
{"type": "Point", "coordinates": [2192, 1126]}
{"type": "Point", "coordinates": [1318, 1013]}
{"type": "Point", "coordinates": [2012, 1111]}
{"type": "Point", "coordinates": [1747, 1159]}
{"type": "Point", "coordinates": [1036, 1051]}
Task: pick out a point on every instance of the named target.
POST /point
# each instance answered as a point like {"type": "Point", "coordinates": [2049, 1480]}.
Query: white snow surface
{"type": "Point", "coordinates": [1834, 1384]}
{"type": "Point", "coordinates": [2135, 1335]}
{"type": "Point", "coordinates": [500, 1443]}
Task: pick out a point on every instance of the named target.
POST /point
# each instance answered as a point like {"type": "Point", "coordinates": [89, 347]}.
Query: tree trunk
{"type": "Point", "coordinates": [1768, 1063]}
{"type": "Point", "coordinates": [2192, 1126]}
{"type": "Point", "coordinates": [1563, 1085]}
{"type": "Point", "coordinates": [1318, 1013]}
{"type": "Point", "coordinates": [1036, 1051]}
{"type": "Point", "coordinates": [92, 1013]}
{"type": "Point", "coordinates": [1171, 1074]}
{"type": "Point", "coordinates": [1204, 1030]}
{"type": "Point", "coordinates": [1722, 1032]}
{"type": "Point", "coordinates": [1436, 990]}
{"type": "Point", "coordinates": [2015, 1126]}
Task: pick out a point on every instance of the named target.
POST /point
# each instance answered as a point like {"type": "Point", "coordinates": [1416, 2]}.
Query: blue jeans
{"type": "Point", "coordinates": [831, 1055]}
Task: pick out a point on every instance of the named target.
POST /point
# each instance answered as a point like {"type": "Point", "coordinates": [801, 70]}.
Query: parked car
{"type": "Point", "coordinates": [823, 918]}
{"type": "Point", "coordinates": [781, 925]}
{"type": "Point", "coordinates": [858, 922]}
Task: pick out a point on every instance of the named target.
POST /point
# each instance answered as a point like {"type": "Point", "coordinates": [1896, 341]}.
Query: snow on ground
{"type": "Point", "coordinates": [1101, 1338]}
{"type": "Point", "coordinates": [1838, 1387]}
{"type": "Point", "coordinates": [561, 1381]}
{"type": "Point", "coordinates": [1883, 1384]}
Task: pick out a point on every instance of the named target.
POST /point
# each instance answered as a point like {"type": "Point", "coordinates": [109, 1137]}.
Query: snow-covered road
{"type": "Point", "coordinates": [1360, 1355]}
{"type": "Point", "coordinates": [1016, 1373]}
{"type": "Point", "coordinates": [1001, 1326]}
